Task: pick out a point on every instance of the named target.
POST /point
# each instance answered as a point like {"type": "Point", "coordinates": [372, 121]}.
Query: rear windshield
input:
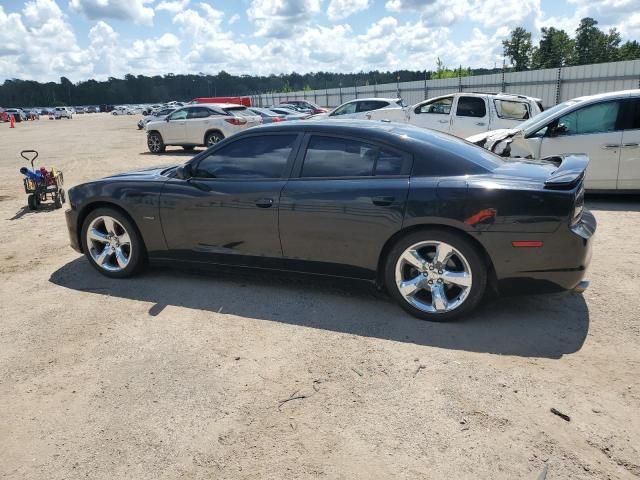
{"type": "Point", "coordinates": [239, 111]}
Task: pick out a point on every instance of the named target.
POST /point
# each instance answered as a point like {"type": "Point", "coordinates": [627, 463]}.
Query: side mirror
{"type": "Point", "coordinates": [184, 172]}
{"type": "Point", "coordinates": [559, 129]}
{"type": "Point", "coordinates": [166, 118]}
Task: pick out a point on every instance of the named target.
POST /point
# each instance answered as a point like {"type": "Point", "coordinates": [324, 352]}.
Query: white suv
{"type": "Point", "coordinates": [62, 112]}
{"type": "Point", "coordinates": [199, 125]}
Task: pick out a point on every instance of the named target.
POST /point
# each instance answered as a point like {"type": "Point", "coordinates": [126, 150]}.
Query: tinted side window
{"type": "Point", "coordinates": [631, 119]}
{"type": "Point", "coordinates": [366, 106]}
{"type": "Point", "coordinates": [263, 156]}
{"type": "Point", "coordinates": [471, 107]}
{"type": "Point", "coordinates": [345, 109]}
{"type": "Point", "coordinates": [598, 118]}
{"type": "Point", "coordinates": [341, 157]}
{"type": "Point", "coordinates": [198, 112]}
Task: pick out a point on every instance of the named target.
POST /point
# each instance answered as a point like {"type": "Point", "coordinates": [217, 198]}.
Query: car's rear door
{"type": "Point", "coordinates": [345, 199]}
{"type": "Point", "coordinates": [471, 116]}
{"type": "Point", "coordinates": [195, 125]}
{"type": "Point", "coordinates": [229, 208]}
{"type": "Point", "coordinates": [629, 171]}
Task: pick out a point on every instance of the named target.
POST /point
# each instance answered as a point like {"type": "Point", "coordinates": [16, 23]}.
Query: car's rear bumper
{"type": "Point", "coordinates": [560, 264]}
{"type": "Point", "coordinates": [71, 216]}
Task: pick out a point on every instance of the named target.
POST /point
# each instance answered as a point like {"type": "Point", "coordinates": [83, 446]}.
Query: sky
{"type": "Point", "coordinates": [81, 39]}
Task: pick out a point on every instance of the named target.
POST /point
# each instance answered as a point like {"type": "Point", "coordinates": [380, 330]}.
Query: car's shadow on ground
{"type": "Point", "coordinates": [535, 326]}
{"type": "Point", "coordinates": [180, 153]}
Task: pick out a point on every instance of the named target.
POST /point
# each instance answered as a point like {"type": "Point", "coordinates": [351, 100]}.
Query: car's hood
{"type": "Point", "coordinates": [152, 173]}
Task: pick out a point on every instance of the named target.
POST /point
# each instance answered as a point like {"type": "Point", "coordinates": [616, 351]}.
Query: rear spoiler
{"type": "Point", "coordinates": [570, 172]}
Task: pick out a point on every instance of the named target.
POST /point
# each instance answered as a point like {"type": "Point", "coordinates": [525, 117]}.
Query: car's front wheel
{"type": "Point", "coordinates": [436, 275]}
{"type": "Point", "coordinates": [155, 143]}
{"type": "Point", "coordinates": [111, 243]}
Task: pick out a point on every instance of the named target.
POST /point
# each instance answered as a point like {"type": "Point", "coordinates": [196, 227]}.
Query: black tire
{"type": "Point", "coordinates": [63, 195]}
{"type": "Point", "coordinates": [155, 143]}
{"type": "Point", "coordinates": [32, 202]}
{"type": "Point", "coordinates": [465, 246]}
{"type": "Point", "coordinates": [57, 201]}
{"type": "Point", "coordinates": [188, 148]}
{"type": "Point", "coordinates": [138, 252]}
{"type": "Point", "coordinates": [212, 138]}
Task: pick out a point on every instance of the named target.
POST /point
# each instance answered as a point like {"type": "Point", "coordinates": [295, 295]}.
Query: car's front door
{"type": "Point", "coordinates": [174, 129]}
{"type": "Point", "coordinates": [594, 130]}
{"type": "Point", "coordinates": [345, 199]}
{"type": "Point", "coordinates": [434, 114]}
{"type": "Point", "coordinates": [228, 209]}
{"type": "Point", "coordinates": [471, 116]}
{"type": "Point", "coordinates": [629, 172]}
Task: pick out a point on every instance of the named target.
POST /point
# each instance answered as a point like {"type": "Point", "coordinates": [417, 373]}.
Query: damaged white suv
{"type": "Point", "coordinates": [606, 127]}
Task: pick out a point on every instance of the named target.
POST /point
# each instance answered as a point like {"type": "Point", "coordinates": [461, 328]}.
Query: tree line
{"type": "Point", "coordinates": [557, 48]}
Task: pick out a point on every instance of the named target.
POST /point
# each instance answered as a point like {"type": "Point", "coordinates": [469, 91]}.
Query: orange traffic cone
{"type": "Point", "coordinates": [12, 122]}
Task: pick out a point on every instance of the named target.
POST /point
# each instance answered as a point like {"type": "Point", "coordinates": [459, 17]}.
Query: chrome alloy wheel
{"type": "Point", "coordinates": [433, 277]}
{"type": "Point", "coordinates": [153, 142]}
{"type": "Point", "coordinates": [109, 244]}
{"type": "Point", "coordinates": [213, 139]}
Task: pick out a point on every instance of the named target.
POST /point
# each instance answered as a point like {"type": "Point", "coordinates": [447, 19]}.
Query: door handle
{"type": "Point", "coordinates": [443, 121]}
{"type": "Point", "coordinates": [481, 124]}
{"type": "Point", "coordinates": [630, 145]}
{"type": "Point", "coordinates": [608, 146]}
{"type": "Point", "coordinates": [382, 201]}
{"type": "Point", "coordinates": [264, 202]}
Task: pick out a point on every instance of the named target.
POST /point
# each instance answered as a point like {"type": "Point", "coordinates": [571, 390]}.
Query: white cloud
{"type": "Point", "coordinates": [173, 6]}
{"type": "Point", "coordinates": [281, 18]}
{"type": "Point", "coordinates": [339, 9]}
{"type": "Point", "coordinates": [127, 10]}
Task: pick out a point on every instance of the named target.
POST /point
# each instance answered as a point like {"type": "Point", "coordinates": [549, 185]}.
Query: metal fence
{"type": "Point", "coordinates": [553, 85]}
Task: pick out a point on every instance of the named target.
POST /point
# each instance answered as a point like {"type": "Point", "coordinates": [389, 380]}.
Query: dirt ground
{"type": "Point", "coordinates": [177, 375]}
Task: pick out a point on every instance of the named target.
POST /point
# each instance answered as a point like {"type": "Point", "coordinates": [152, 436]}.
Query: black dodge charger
{"type": "Point", "coordinates": [434, 219]}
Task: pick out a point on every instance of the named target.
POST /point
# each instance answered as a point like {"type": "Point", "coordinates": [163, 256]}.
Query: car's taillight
{"type": "Point", "coordinates": [235, 121]}
{"type": "Point", "coordinates": [276, 119]}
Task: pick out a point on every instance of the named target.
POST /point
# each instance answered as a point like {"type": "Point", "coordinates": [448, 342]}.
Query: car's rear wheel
{"type": "Point", "coordinates": [436, 275]}
{"type": "Point", "coordinates": [212, 138]}
{"type": "Point", "coordinates": [155, 143]}
{"type": "Point", "coordinates": [111, 243]}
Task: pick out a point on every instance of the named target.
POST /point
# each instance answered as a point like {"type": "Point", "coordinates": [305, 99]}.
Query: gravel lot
{"type": "Point", "coordinates": [177, 375]}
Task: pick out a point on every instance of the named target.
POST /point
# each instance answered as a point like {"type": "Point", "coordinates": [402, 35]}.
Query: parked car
{"type": "Point", "coordinates": [80, 110]}
{"type": "Point", "coordinates": [92, 110]}
{"type": "Point", "coordinates": [121, 110]}
{"type": "Point", "coordinates": [464, 114]}
{"type": "Point", "coordinates": [288, 113]}
{"type": "Point", "coordinates": [198, 125]}
{"type": "Point", "coordinates": [436, 220]}
{"type": "Point", "coordinates": [297, 108]}
{"type": "Point", "coordinates": [18, 114]}
{"type": "Point", "coordinates": [310, 106]}
{"type": "Point", "coordinates": [359, 108]}
{"type": "Point", "coordinates": [606, 127]}
{"type": "Point", "coordinates": [4, 116]}
{"type": "Point", "coordinates": [155, 115]}
{"type": "Point", "coordinates": [267, 115]}
{"type": "Point", "coordinates": [62, 112]}
{"type": "Point", "coordinates": [148, 109]}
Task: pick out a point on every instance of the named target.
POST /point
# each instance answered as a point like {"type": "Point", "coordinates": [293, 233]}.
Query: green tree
{"type": "Point", "coordinates": [629, 51]}
{"type": "Point", "coordinates": [518, 48]}
{"type": "Point", "coordinates": [554, 50]}
{"type": "Point", "coordinates": [592, 45]}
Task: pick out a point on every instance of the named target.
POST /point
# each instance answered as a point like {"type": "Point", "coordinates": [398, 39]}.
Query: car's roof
{"type": "Point", "coordinates": [610, 95]}
{"type": "Point", "coordinates": [386, 99]}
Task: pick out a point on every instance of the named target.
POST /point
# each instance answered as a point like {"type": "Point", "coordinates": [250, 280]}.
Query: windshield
{"type": "Point", "coordinates": [539, 120]}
